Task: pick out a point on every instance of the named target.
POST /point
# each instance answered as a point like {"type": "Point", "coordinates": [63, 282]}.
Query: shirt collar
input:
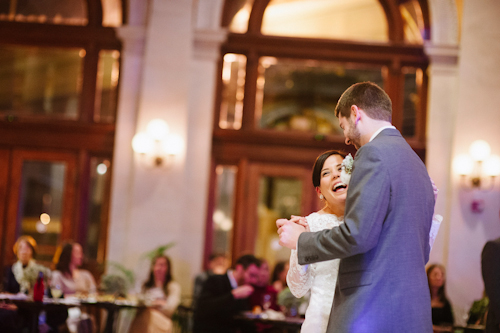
{"type": "Point", "coordinates": [232, 280]}
{"type": "Point", "coordinates": [380, 130]}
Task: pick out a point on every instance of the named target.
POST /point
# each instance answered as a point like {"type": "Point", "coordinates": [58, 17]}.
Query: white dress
{"type": "Point", "coordinates": [321, 277]}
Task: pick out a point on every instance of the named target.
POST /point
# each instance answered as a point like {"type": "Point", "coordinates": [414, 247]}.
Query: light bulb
{"type": "Point", "coordinates": [491, 166]}
{"type": "Point", "coordinates": [142, 143]}
{"type": "Point", "coordinates": [158, 129]}
{"type": "Point", "coordinates": [45, 218]}
{"type": "Point", "coordinates": [479, 150]}
{"type": "Point", "coordinates": [102, 168]}
{"type": "Point", "coordinates": [173, 144]}
{"type": "Point", "coordinates": [463, 165]}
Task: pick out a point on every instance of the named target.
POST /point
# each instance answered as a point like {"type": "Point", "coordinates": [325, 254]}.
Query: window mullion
{"type": "Point", "coordinates": [87, 101]}
{"type": "Point", "coordinates": [248, 119]}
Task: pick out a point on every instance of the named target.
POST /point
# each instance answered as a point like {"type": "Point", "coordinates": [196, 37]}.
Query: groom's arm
{"type": "Point", "coordinates": [367, 205]}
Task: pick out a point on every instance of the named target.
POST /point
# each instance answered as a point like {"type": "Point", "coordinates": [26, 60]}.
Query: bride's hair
{"type": "Point", "coordinates": [320, 161]}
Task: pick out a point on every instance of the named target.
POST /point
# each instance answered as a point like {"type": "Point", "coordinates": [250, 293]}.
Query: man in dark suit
{"type": "Point", "coordinates": [217, 264]}
{"type": "Point", "coordinates": [490, 266]}
{"type": "Point", "coordinates": [384, 240]}
{"type": "Point", "coordinates": [224, 296]}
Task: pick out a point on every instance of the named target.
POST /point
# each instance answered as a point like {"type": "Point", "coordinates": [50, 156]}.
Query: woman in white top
{"type": "Point", "coordinates": [162, 296]}
{"type": "Point", "coordinates": [69, 279]}
{"type": "Point", "coordinates": [320, 278]}
{"type": "Point", "coordinates": [68, 276]}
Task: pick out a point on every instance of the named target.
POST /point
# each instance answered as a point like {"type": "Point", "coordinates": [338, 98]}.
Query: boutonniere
{"type": "Point", "coordinates": [345, 173]}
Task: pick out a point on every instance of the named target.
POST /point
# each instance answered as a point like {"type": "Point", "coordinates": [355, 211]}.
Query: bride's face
{"type": "Point", "coordinates": [331, 186]}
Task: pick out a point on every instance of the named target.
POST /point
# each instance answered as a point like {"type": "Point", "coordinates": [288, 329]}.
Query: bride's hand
{"type": "Point", "coordinates": [300, 220]}
{"type": "Point", "coordinates": [436, 190]}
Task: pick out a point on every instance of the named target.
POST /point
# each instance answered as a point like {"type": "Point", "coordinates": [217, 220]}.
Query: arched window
{"type": "Point", "coordinates": [361, 20]}
{"type": "Point", "coordinates": [59, 72]}
{"type": "Point", "coordinates": [283, 68]}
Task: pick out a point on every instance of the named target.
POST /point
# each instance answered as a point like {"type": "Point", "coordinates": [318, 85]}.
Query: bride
{"type": "Point", "coordinates": [321, 277]}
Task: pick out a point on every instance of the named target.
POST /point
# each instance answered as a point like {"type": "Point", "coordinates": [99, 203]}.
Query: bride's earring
{"type": "Point", "coordinates": [321, 196]}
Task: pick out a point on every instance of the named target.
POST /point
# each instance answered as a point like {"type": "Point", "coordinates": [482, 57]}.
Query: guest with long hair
{"type": "Point", "coordinates": [162, 295]}
{"type": "Point", "coordinates": [71, 279]}
{"type": "Point", "coordinates": [68, 274]}
{"type": "Point", "coordinates": [441, 308]}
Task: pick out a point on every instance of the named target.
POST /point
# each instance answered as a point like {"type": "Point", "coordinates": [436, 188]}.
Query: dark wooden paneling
{"type": "Point", "coordinates": [5, 160]}
{"type": "Point", "coordinates": [56, 35]}
{"type": "Point", "coordinates": [72, 136]}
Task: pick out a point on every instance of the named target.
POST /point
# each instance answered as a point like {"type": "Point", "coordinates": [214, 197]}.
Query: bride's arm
{"type": "Point", "coordinates": [436, 223]}
{"type": "Point", "coordinates": [436, 219]}
{"type": "Point", "coordinates": [299, 278]}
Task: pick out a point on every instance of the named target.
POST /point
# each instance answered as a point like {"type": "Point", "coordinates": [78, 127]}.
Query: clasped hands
{"type": "Point", "coordinates": [290, 230]}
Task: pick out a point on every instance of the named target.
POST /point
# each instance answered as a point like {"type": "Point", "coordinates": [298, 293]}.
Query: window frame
{"type": "Point", "coordinates": [83, 137]}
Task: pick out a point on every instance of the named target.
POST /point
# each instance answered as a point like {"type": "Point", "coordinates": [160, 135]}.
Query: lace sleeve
{"type": "Point", "coordinates": [436, 223]}
{"type": "Point", "coordinates": [299, 277]}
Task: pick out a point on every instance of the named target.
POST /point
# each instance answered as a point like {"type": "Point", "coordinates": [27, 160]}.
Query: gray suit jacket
{"type": "Point", "coordinates": [490, 266]}
{"type": "Point", "coordinates": [383, 242]}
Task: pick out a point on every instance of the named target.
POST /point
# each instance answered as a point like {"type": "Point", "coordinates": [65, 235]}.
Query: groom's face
{"type": "Point", "coordinates": [351, 132]}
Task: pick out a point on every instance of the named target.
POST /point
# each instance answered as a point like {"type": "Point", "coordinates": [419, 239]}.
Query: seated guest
{"type": "Point", "coordinates": [21, 276]}
{"type": "Point", "coordinates": [441, 308]}
{"type": "Point", "coordinates": [217, 264]}
{"type": "Point", "coordinates": [280, 271]}
{"type": "Point", "coordinates": [264, 295]}
{"type": "Point", "coordinates": [71, 279]}
{"type": "Point", "coordinates": [68, 275]}
{"type": "Point", "coordinates": [162, 295]}
{"type": "Point", "coordinates": [224, 296]}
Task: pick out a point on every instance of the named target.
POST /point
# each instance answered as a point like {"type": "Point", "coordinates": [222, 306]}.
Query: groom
{"type": "Point", "coordinates": [384, 240]}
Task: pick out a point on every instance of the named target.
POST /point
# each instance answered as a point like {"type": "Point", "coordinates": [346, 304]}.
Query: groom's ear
{"type": "Point", "coordinates": [356, 113]}
{"type": "Point", "coordinates": [354, 110]}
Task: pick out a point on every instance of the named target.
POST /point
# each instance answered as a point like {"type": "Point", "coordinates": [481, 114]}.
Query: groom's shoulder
{"type": "Point", "coordinates": [389, 140]}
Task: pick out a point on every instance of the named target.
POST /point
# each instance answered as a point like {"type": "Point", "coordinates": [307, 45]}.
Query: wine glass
{"type": "Point", "coordinates": [56, 292]}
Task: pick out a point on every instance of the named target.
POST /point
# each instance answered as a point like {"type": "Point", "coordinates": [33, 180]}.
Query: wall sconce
{"type": "Point", "coordinates": [156, 145]}
{"type": "Point", "coordinates": [478, 164]}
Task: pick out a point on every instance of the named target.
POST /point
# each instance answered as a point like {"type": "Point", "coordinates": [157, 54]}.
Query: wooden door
{"type": "Point", "coordinates": [39, 182]}
{"type": "Point", "coordinates": [265, 193]}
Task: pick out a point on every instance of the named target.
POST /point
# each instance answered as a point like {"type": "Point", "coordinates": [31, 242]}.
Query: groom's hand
{"type": "Point", "coordinates": [289, 233]}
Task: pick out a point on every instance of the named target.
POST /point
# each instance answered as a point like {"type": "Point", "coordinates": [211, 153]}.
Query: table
{"type": "Point", "coordinates": [112, 308]}
{"type": "Point", "coordinates": [468, 329]}
{"type": "Point", "coordinates": [289, 324]}
{"type": "Point", "coordinates": [34, 308]}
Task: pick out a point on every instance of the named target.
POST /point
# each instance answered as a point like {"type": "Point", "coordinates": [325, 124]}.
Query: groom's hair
{"type": "Point", "coordinates": [367, 96]}
{"type": "Point", "coordinates": [320, 161]}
